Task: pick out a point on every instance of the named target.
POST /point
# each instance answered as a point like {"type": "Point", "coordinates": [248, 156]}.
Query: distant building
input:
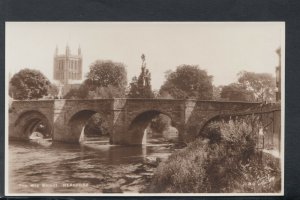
{"type": "Point", "coordinates": [67, 70]}
{"type": "Point", "coordinates": [278, 76]}
{"type": "Point", "coordinates": [67, 66]}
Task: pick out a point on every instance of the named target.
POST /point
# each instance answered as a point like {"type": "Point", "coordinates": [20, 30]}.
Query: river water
{"type": "Point", "coordinates": [87, 168]}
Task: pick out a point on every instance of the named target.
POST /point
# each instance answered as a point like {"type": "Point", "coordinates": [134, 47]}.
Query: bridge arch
{"type": "Point", "coordinates": [217, 118]}
{"type": "Point", "coordinates": [77, 123]}
{"type": "Point", "coordinates": [207, 122]}
{"type": "Point", "coordinates": [137, 126]}
{"type": "Point", "coordinates": [27, 123]}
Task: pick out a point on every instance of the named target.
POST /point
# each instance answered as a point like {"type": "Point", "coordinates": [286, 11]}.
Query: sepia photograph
{"type": "Point", "coordinates": [144, 108]}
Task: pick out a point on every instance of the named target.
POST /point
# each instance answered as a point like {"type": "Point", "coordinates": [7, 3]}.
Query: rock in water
{"type": "Point", "coordinates": [36, 135]}
{"type": "Point", "coordinates": [153, 161]}
{"type": "Point", "coordinates": [171, 134]}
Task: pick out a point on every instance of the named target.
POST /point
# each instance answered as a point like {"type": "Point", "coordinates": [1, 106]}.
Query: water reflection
{"type": "Point", "coordinates": [58, 167]}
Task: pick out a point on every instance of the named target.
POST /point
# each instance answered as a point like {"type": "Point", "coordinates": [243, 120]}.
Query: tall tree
{"type": "Point", "coordinates": [261, 84]}
{"type": "Point", "coordinates": [236, 92]}
{"type": "Point", "coordinates": [105, 73]}
{"type": "Point", "coordinates": [141, 87]}
{"type": "Point", "coordinates": [133, 88]}
{"type": "Point", "coordinates": [28, 84]}
{"type": "Point", "coordinates": [106, 79]}
{"type": "Point", "coordinates": [188, 81]}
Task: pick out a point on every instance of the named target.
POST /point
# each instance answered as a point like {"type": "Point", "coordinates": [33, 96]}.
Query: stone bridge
{"type": "Point", "coordinates": [127, 118]}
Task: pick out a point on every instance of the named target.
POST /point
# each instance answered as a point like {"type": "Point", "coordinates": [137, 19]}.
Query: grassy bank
{"type": "Point", "coordinates": [224, 159]}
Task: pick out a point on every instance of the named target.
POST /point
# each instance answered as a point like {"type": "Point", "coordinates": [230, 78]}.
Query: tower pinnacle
{"type": "Point", "coordinates": [67, 50]}
{"type": "Point", "coordinates": [56, 50]}
{"type": "Point", "coordinates": [79, 51]}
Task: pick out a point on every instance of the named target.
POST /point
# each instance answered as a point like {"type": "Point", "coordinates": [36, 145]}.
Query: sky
{"type": "Point", "coordinates": [222, 49]}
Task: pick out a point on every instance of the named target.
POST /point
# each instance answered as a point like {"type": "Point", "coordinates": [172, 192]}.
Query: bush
{"type": "Point", "coordinates": [225, 159]}
{"type": "Point", "coordinates": [182, 172]}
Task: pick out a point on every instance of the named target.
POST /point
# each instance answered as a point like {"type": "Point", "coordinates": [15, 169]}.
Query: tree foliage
{"type": "Point", "coordinates": [78, 93]}
{"type": "Point", "coordinates": [160, 123]}
{"type": "Point", "coordinates": [140, 87]}
{"type": "Point", "coordinates": [250, 87]}
{"type": "Point", "coordinates": [107, 92]}
{"type": "Point", "coordinates": [133, 88]}
{"type": "Point", "coordinates": [53, 90]}
{"type": "Point", "coordinates": [96, 126]}
{"type": "Point", "coordinates": [106, 73]}
{"type": "Point", "coordinates": [188, 81]}
{"type": "Point", "coordinates": [28, 84]}
{"type": "Point", "coordinates": [261, 84]}
{"type": "Point", "coordinates": [106, 79]}
{"type": "Point", "coordinates": [217, 93]}
{"type": "Point", "coordinates": [236, 92]}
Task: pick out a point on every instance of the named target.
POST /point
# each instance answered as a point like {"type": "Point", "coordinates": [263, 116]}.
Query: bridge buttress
{"type": "Point", "coordinates": [60, 129]}
{"type": "Point", "coordinates": [119, 122]}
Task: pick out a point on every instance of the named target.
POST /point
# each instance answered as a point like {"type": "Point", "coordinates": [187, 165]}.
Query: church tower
{"type": "Point", "coordinates": [68, 66]}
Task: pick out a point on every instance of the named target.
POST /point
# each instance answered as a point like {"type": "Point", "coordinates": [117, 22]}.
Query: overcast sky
{"type": "Point", "coordinates": [222, 49]}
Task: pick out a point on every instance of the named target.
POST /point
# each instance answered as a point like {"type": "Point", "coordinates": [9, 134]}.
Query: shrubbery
{"type": "Point", "coordinates": [225, 159]}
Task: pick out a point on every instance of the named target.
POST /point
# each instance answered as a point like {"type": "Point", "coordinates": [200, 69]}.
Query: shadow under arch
{"type": "Point", "coordinates": [136, 129]}
{"type": "Point", "coordinates": [27, 123]}
{"type": "Point", "coordinates": [77, 124]}
{"type": "Point", "coordinates": [216, 118]}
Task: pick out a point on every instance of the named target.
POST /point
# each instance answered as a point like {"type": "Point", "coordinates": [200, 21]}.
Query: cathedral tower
{"type": "Point", "coordinates": [67, 67]}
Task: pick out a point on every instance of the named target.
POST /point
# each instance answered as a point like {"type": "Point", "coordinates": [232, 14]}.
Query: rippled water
{"type": "Point", "coordinates": [88, 168]}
